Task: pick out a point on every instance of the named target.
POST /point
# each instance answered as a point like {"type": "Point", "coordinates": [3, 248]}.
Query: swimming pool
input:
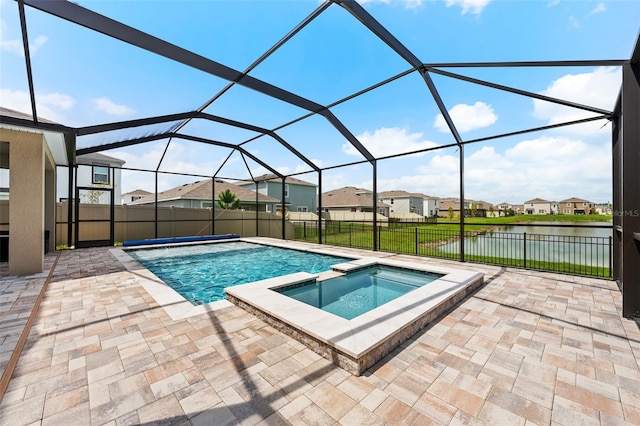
{"type": "Point", "coordinates": [358, 292]}
{"type": "Point", "coordinates": [200, 273]}
{"type": "Point", "coordinates": [354, 344]}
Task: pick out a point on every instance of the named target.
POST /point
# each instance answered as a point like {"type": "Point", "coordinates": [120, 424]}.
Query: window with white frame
{"type": "Point", "coordinates": [286, 190]}
{"type": "Point", "coordinates": [302, 209]}
{"type": "Point", "coordinates": [100, 175]}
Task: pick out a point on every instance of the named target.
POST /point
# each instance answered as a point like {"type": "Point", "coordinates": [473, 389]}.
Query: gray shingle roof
{"type": "Point", "coordinates": [201, 190]}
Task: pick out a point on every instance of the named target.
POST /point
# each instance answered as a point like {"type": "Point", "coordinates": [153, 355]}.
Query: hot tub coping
{"type": "Point", "coordinates": [361, 340]}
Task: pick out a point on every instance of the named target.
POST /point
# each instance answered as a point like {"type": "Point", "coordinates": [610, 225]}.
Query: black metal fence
{"type": "Point", "coordinates": [570, 254]}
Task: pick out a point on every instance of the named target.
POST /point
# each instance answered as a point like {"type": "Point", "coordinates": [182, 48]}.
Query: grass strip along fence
{"type": "Point", "coordinates": [576, 255]}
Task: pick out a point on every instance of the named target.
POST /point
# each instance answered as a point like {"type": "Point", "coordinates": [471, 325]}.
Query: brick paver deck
{"type": "Point", "coordinates": [527, 348]}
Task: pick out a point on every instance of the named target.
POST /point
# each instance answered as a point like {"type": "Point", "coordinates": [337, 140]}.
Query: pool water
{"type": "Point", "coordinates": [201, 272]}
{"type": "Point", "coordinates": [358, 292]}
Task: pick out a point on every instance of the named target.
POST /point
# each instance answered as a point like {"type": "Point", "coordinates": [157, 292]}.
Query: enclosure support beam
{"type": "Point", "coordinates": [616, 157]}
{"type": "Point", "coordinates": [462, 210]}
{"type": "Point", "coordinates": [319, 208]}
{"type": "Point", "coordinates": [284, 185]}
{"type": "Point", "coordinates": [27, 59]}
{"type": "Point", "coordinates": [213, 205]}
{"type": "Point", "coordinates": [375, 205]}
{"type": "Point", "coordinates": [112, 209]}
{"type": "Point", "coordinates": [629, 210]}
{"type": "Point", "coordinates": [76, 204]}
{"type": "Point", "coordinates": [155, 207]}
{"type": "Point", "coordinates": [257, 219]}
{"type": "Point", "coordinates": [70, 193]}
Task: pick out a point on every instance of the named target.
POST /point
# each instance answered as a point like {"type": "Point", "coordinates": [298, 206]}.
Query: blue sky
{"type": "Point", "coordinates": [84, 78]}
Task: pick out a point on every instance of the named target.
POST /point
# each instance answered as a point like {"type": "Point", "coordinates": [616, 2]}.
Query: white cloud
{"type": "Point", "coordinates": [10, 45]}
{"type": "Point", "coordinates": [304, 167]}
{"type": "Point", "coordinates": [598, 89]}
{"type": "Point", "coordinates": [573, 22]}
{"type": "Point", "coordinates": [14, 45]}
{"type": "Point", "coordinates": [38, 43]}
{"type": "Point", "coordinates": [58, 100]}
{"type": "Point", "coordinates": [598, 9]}
{"type": "Point", "coordinates": [389, 141]}
{"type": "Point", "coordinates": [48, 105]}
{"type": "Point", "coordinates": [473, 6]}
{"type": "Point", "coordinates": [105, 104]}
{"type": "Point", "coordinates": [467, 117]}
{"type": "Point", "coordinates": [409, 4]}
{"type": "Point", "coordinates": [549, 167]}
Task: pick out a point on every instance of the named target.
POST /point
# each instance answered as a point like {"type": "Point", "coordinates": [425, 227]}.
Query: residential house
{"type": "Point", "coordinates": [97, 175]}
{"type": "Point", "coordinates": [352, 199]}
{"type": "Point", "coordinates": [404, 202]}
{"type": "Point", "coordinates": [135, 195]}
{"type": "Point", "coordinates": [477, 208]}
{"type": "Point", "coordinates": [604, 208]}
{"type": "Point", "coordinates": [299, 196]}
{"type": "Point", "coordinates": [199, 195]}
{"type": "Point", "coordinates": [537, 206]}
{"type": "Point", "coordinates": [575, 205]}
{"type": "Point", "coordinates": [506, 209]}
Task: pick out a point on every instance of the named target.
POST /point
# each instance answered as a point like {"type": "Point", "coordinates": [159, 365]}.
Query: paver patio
{"type": "Point", "coordinates": [527, 348]}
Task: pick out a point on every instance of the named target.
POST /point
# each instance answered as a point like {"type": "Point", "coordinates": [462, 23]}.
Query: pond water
{"type": "Point", "coordinates": [582, 245]}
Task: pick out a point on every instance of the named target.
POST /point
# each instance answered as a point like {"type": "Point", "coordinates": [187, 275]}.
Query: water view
{"type": "Point", "coordinates": [582, 244]}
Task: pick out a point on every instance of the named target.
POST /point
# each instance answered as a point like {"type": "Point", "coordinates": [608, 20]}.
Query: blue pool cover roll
{"type": "Point", "coordinates": [179, 239]}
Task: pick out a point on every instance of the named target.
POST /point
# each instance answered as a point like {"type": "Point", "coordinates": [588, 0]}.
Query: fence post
{"type": "Point", "coordinates": [610, 256]}
{"type": "Point", "coordinates": [524, 238]}
{"type": "Point", "coordinates": [416, 233]}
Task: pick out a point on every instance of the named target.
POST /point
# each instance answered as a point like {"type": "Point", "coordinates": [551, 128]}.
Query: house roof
{"type": "Point", "coordinates": [98, 158]}
{"type": "Point", "coordinates": [201, 190]}
{"type": "Point", "coordinates": [455, 202]}
{"type": "Point", "coordinates": [274, 178]}
{"type": "Point", "coordinates": [394, 194]}
{"type": "Point", "coordinates": [402, 194]}
{"type": "Point", "coordinates": [59, 142]}
{"type": "Point", "coordinates": [349, 196]}
{"type": "Point", "coordinates": [536, 201]}
{"type": "Point", "coordinates": [138, 192]}
{"type": "Point", "coordinates": [575, 200]}
{"type": "Point", "coordinates": [17, 114]}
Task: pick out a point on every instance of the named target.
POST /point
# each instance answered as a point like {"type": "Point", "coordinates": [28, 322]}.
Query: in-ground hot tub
{"type": "Point", "coordinates": [357, 343]}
